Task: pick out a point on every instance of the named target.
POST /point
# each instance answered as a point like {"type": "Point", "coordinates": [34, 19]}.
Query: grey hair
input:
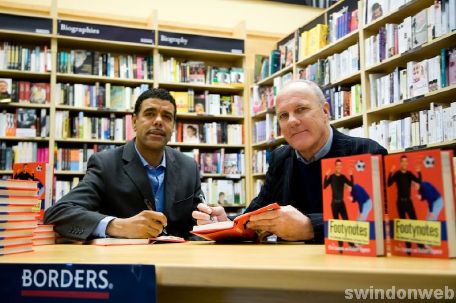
{"type": "Point", "coordinates": [313, 86]}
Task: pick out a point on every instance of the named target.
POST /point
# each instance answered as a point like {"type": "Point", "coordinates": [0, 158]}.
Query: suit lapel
{"type": "Point", "coordinates": [136, 172]}
{"type": "Point", "coordinates": [171, 178]}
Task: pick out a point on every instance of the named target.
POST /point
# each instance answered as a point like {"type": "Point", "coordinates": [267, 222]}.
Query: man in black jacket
{"type": "Point", "coordinates": [294, 175]}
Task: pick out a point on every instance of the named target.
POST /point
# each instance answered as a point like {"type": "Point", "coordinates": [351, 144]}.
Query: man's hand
{"type": "Point", "coordinates": [328, 171]}
{"type": "Point", "coordinates": [207, 214]}
{"type": "Point", "coordinates": [146, 224]}
{"type": "Point", "coordinates": [287, 223]}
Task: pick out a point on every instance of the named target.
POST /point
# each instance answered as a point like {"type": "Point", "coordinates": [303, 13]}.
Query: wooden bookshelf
{"type": "Point", "coordinates": [90, 79]}
{"type": "Point", "coordinates": [223, 89]}
{"type": "Point", "coordinates": [206, 117]}
{"type": "Point", "coordinates": [369, 114]}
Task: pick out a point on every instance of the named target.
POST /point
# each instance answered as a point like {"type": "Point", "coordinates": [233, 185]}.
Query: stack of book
{"type": "Point", "coordinates": [44, 235]}
{"type": "Point", "coordinates": [18, 215]}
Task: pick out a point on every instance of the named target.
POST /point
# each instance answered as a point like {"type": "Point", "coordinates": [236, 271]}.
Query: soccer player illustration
{"type": "Point", "coordinates": [359, 195]}
{"type": "Point", "coordinates": [337, 180]}
{"type": "Point", "coordinates": [427, 192]}
{"type": "Point", "coordinates": [403, 179]}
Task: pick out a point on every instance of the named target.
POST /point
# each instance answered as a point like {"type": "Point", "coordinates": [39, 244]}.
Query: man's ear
{"type": "Point", "coordinates": [326, 109]}
{"type": "Point", "coordinates": [134, 122]}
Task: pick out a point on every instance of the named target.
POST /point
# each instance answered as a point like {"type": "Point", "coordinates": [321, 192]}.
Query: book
{"type": "Point", "coordinates": [190, 133]}
{"type": "Point", "coordinates": [421, 205]}
{"type": "Point", "coordinates": [18, 184]}
{"type": "Point", "coordinates": [237, 75]}
{"type": "Point", "coordinates": [14, 249]}
{"type": "Point", "coordinates": [353, 205]}
{"type": "Point", "coordinates": [26, 122]}
{"type": "Point", "coordinates": [42, 174]}
{"type": "Point", "coordinates": [5, 90]}
{"type": "Point", "coordinates": [124, 241]}
{"type": "Point", "coordinates": [40, 93]}
{"type": "Point", "coordinates": [235, 230]}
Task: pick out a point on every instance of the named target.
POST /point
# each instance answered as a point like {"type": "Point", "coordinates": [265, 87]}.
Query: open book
{"type": "Point", "coordinates": [231, 230]}
{"type": "Point", "coordinates": [125, 241]}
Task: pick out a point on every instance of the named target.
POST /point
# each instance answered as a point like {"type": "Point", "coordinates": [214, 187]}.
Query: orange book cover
{"type": "Point", "coordinates": [41, 173]}
{"type": "Point", "coordinates": [421, 205]}
{"type": "Point", "coordinates": [231, 230]}
{"type": "Point", "coordinates": [353, 205]}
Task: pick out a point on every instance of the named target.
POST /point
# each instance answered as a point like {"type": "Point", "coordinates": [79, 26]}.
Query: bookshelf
{"type": "Point", "coordinates": [369, 113]}
{"type": "Point", "coordinates": [110, 50]}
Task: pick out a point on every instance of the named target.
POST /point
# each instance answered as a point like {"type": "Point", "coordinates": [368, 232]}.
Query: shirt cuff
{"type": "Point", "coordinates": [100, 230]}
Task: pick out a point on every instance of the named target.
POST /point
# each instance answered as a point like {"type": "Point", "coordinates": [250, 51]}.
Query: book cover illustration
{"type": "Point", "coordinates": [420, 196]}
{"type": "Point", "coordinates": [41, 173]}
{"type": "Point", "coordinates": [5, 90]}
{"type": "Point", "coordinates": [353, 205]}
{"type": "Point", "coordinates": [191, 134]}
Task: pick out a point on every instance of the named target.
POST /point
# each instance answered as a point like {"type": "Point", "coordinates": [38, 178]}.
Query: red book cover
{"type": "Point", "coordinates": [421, 207]}
{"type": "Point", "coordinates": [41, 173]}
{"type": "Point", "coordinates": [353, 205]}
{"type": "Point", "coordinates": [231, 230]}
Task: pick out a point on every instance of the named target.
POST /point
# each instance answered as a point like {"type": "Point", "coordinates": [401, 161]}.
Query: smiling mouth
{"type": "Point", "coordinates": [298, 133]}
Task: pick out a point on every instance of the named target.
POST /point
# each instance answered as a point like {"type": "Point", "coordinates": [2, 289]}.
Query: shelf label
{"type": "Point", "coordinates": [413, 99]}
{"type": "Point", "coordinates": [22, 283]}
{"type": "Point", "coordinates": [417, 147]}
{"type": "Point", "coordinates": [229, 45]}
{"type": "Point", "coordinates": [26, 24]}
{"type": "Point", "coordinates": [105, 32]}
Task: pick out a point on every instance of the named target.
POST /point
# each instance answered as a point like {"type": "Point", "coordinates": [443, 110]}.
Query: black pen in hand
{"type": "Point", "coordinates": [148, 203]}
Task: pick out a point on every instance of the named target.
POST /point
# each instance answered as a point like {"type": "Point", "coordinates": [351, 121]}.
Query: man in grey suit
{"type": "Point", "coordinates": [138, 190]}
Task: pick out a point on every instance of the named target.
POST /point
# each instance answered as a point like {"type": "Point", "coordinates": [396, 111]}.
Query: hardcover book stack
{"type": "Point", "coordinates": [18, 215]}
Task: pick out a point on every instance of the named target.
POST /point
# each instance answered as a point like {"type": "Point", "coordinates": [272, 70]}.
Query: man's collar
{"type": "Point", "coordinates": [321, 153]}
{"type": "Point", "coordinates": [146, 164]}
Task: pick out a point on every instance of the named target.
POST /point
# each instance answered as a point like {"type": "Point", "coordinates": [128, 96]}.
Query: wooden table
{"type": "Point", "coordinates": [207, 272]}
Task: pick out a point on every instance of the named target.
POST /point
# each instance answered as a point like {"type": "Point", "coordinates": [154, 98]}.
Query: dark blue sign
{"type": "Point", "coordinates": [105, 32]}
{"type": "Point", "coordinates": [26, 24]}
{"type": "Point", "coordinates": [229, 45]}
{"type": "Point", "coordinates": [21, 283]}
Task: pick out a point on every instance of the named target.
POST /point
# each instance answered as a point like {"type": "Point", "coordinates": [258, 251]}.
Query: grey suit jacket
{"type": "Point", "coordinates": [116, 184]}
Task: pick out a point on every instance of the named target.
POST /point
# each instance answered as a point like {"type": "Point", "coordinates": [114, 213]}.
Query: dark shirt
{"type": "Point", "coordinates": [23, 176]}
{"type": "Point", "coordinates": [337, 185]}
{"type": "Point", "coordinates": [429, 193]}
{"type": "Point", "coordinates": [359, 195]}
{"type": "Point", "coordinates": [403, 182]}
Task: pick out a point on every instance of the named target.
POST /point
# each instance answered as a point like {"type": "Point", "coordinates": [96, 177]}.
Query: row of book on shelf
{"type": "Point", "coordinates": [24, 91]}
{"type": "Point", "coordinates": [443, 12]}
{"type": "Point", "coordinates": [309, 42]}
{"type": "Point", "coordinates": [107, 96]}
{"type": "Point", "coordinates": [418, 217]}
{"type": "Point", "coordinates": [23, 200]}
{"type": "Point", "coordinates": [209, 133]}
{"type": "Point", "coordinates": [86, 62]}
{"type": "Point", "coordinates": [34, 59]}
{"type": "Point", "coordinates": [78, 125]}
{"type": "Point", "coordinates": [267, 129]}
{"type": "Point", "coordinates": [434, 125]}
{"type": "Point", "coordinates": [177, 70]}
{"type": "Point", "coordinates": [21, 152]}
{"type": "Point", "coordinates": [231, 164]}
{"type": "Point", "coordinates": [224, 192]}
{"type": "Point", "coordinates": [417, 79]}
{"type": "Point", "coordinates": [25, 122]}
{"type": "Point", "coordinates": [414, 31]}
{"type": "Point", "coordinates": [206, 103]}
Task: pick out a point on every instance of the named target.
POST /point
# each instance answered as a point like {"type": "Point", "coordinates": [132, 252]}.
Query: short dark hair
{"type": "Point", "coordinates": [403, 157]}
{"type": "Point", "coordinates": [338, 161]}
{"type": "Point", "coordinates": [192, 127]}
{"type": "Point", "coordinates": [156, 93]}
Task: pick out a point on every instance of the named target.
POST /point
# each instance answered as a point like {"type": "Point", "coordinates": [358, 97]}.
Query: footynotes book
{"type": "Point", "coordinates": [421, 205]}
{"type": "Point", "coordinates": [40, 172]}
{"type": "Point", "coordinates": [353, 205]}
{"type": "Point", "coordinates": [235, 230]}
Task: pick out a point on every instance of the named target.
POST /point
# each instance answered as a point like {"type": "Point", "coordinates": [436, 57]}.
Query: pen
{"type": "Point", "coordinates": [149, 207]}
{"type": "Point", "coordinates": [202, 199]}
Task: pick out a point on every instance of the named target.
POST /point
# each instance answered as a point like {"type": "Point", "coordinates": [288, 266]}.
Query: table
{"type": "Point", "coordinates": [208, 272]}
